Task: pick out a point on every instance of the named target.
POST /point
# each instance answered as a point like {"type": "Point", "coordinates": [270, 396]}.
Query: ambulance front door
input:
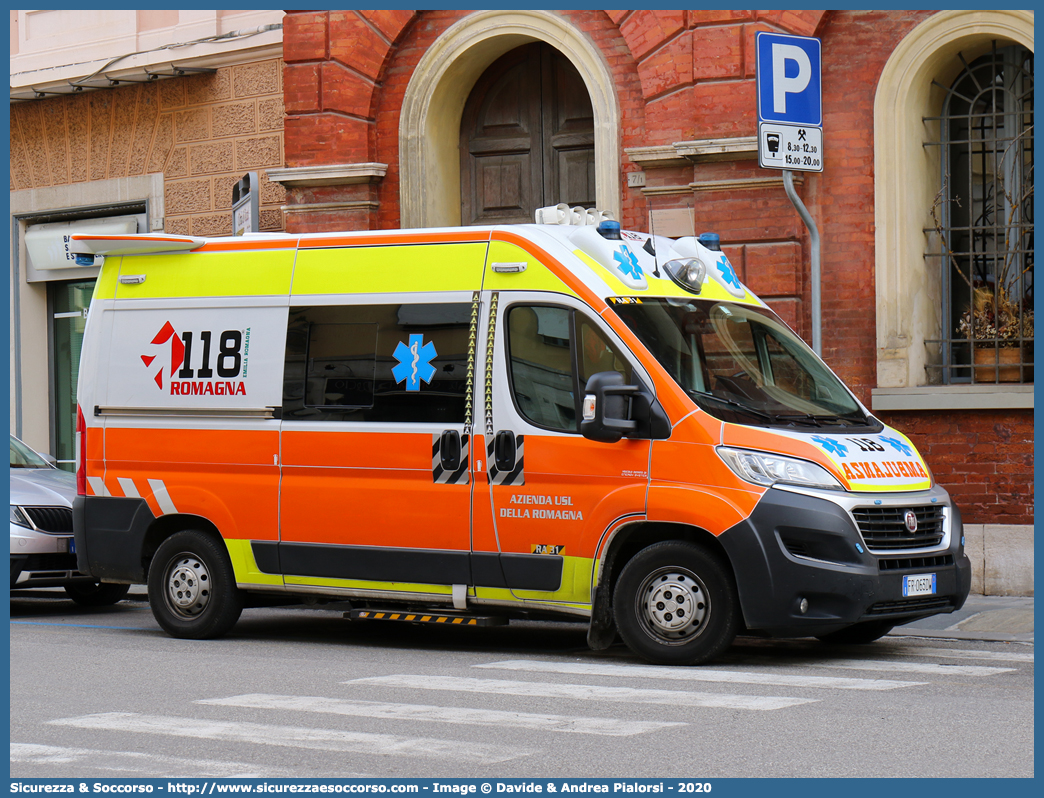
{"type": "Point", "coordinates": [549, 494]}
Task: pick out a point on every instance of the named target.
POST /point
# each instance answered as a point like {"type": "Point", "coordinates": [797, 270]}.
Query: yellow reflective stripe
{"type": "Point", "coordinates": [397, 587]}
{"type": "Point", "coordinates": [389, 269]}
{"type": "Point", "coordinates": [105, 287]}
{"type": "Point", "coordinates": [536, 277]}
{"type": "Point", "coordinates": [201, 274]}
{"type": "Point", "coordinates": [245, 567]}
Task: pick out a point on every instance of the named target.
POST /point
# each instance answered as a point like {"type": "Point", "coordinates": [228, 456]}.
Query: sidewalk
{"type": "Point", "coordinates": [1005, 619]}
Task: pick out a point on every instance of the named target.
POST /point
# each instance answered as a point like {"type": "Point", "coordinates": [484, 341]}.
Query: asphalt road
{"type": "Point", "coordinates": [296, 692]}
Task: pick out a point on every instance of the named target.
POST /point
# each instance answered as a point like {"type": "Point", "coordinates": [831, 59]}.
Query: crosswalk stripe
{"type": "Point", "coordinates": [295, 737]}
{"type": "Point", "coordinates": [697, 675]}
{"type": "Point", "coordinates": [964, 653]}
{"type": "Point", "coordinates": [136, 762]}
{"type": "Point", "coordinates": [933, 668]}
{"type": "Point", "coordinates": [456, 715]}
{"type": "Point", "coordinates": [583, 692]}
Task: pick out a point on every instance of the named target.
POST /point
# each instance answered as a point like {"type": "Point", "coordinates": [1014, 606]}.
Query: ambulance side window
{"type": "Point", "coordinates": [552, 352]}
{"type": "Point", "coordinates": [381, 363]}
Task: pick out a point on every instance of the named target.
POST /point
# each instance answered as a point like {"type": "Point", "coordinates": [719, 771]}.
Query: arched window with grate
{"type": "Point", "coordinates": [983, 221]}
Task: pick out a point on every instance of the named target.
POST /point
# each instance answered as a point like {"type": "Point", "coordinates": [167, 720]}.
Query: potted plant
{"type": "Point", "coordinates": [998, 326]}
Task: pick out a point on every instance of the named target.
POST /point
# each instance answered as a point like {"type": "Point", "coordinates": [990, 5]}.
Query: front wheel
{"type": "Point", "coordinates": [192, 588]}
{"type": "Point", "coordinates": [675, 603]}
{"type": "Point", "coordinates": [96, 594]}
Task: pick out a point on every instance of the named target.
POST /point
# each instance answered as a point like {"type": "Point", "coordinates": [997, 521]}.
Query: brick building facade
{"type": "Point", "coordinates": [372, 140]}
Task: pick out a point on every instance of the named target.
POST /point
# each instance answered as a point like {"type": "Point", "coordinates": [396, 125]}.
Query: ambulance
{"type": "Point", "coordinates": [464, 426]}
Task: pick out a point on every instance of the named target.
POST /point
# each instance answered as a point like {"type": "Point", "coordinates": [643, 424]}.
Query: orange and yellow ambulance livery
{"type": "Point", "coordinates": [473, 424]}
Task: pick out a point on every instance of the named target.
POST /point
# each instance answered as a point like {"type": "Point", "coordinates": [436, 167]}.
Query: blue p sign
{"type": "Point", "coordinates": [789, 79]}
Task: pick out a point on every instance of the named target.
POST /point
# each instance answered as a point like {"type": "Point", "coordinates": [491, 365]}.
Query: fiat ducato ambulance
{"type": "Point", "coordinates": [469, 425]}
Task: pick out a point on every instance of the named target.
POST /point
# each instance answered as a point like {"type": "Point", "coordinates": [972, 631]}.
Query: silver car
{"type": "Point", "coordinates": [43, 551]}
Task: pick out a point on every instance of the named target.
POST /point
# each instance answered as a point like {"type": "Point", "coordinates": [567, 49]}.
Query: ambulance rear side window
{"type": "Point", "coordinates": [381, 363]}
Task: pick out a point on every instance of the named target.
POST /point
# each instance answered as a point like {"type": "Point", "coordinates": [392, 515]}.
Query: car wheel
{"type": "Point", "coordinates": [97, 594]}
{"type": "Point", "coordinates": [192, 588]}
{"type": "Point", "coordinates": [866, 632]}
{"type": "Point", "coordinates": [675, 603]}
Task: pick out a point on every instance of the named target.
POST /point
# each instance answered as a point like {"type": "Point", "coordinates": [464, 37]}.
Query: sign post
{"type": "Point", "coordinates": [245, 205]}
{"type": "Point", "coordinates": [790, 128]}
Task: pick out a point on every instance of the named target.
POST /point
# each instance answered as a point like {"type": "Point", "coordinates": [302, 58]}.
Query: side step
{"type": "Point", "coordinates": [452, 618]}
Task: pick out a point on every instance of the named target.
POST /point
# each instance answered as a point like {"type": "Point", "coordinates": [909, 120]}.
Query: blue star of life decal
{"type": "Point", "coordinates": [898, 445]}
{"type": "Point", "coordinates": [831, 446]}
{"type": "Point", "coordinates": [728, 274]}
{"type": "Point", "coordinates": [628, 262]}
{"type": "Point", "coordinates": [414, 362]}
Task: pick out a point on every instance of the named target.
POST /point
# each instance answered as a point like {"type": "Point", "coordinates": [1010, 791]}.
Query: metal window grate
{"type": "Point", "coordinates": [983, 222]}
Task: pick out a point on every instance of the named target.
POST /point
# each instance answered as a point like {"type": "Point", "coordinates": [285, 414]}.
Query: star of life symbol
{"type": "Point", "coordinates": [728, 274]}
{"type": "Point", "coordinates": [177, 352]}
{"type": "Point", "coordinates": [628, 262]}
{"type": "Point", "coordinates": [414, 362]}
{"type": "Point", "coordinates": [831, 446]}
{"type": "Point", "coordinates": [898, 445]}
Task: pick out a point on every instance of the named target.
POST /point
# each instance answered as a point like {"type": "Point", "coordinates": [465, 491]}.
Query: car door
{"type": "Point", "coordinates": [549, 493]}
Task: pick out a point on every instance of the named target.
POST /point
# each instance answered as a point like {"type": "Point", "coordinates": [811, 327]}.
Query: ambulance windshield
{"type": "Point", "coordinates": [742, 364]}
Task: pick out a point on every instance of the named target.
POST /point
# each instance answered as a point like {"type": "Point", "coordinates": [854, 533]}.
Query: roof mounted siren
{"type": "Point", "coordinates": [577, 217]}
{"type": "Point", "coordinates": [711, 241]}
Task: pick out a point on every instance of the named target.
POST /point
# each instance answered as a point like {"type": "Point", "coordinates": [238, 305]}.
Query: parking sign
{"type": "Point", "coordinates": [789, 79]}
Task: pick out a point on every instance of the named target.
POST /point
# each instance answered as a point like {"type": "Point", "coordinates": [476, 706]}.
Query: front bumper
{"type": "Point", "coordinates": [842, 580]}
{"type": "Point", "coordinates": [42, 559]}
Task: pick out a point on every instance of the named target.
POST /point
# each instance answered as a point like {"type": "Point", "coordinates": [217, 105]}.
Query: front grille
{"type": "Point", "coordinates": [911, 606]}
{"type": "Point", "coordinates": [883, 528]}
{"type": "Point", "coordinates": [906, 563]}
{"type": "Point", "coordinates": [51, 519]}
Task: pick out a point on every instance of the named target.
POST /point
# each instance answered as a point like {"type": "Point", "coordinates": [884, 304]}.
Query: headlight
{"type": "Point", "coordinates": [18, 517]}
{"type": "Point", "coordinates": [768, 469]}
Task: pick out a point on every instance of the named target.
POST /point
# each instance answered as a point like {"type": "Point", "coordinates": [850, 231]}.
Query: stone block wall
{"type": "Point", "coordinates": [202, 132]}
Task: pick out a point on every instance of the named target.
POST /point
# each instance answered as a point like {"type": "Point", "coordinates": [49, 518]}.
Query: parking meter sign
{"type": "Point", "coordinates": [790, 102]}
{"type": "Point", "coordinates": [790, 147]}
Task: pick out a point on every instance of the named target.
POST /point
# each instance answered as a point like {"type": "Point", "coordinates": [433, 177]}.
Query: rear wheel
{"type": "Point", "coordinates": [97, 594]}
{"type": "Point", "coordinates": [866, 632]}
{"type": "Point", "coordinates": [192, 588]}
{"type": "Point", "coordinates": [675, 603]}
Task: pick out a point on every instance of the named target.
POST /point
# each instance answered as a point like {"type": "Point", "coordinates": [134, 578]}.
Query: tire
{"type": "Point", "coordinates": [659, 627]}
{"type": "Point", "coordinates": [192, 588]}
{"type": "Point", "coordinates": [99, 594]}
{"type": "Point", "coordinates": [865, 632]}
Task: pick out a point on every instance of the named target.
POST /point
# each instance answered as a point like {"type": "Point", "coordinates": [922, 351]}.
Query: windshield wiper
{"type": "Point", "coordinates": [731, 403]}
{"type": "Point", "coordinates": [821, 420]}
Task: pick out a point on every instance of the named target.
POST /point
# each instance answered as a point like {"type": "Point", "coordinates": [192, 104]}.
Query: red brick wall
{"type": "Point", "coordinates": [681, 76]}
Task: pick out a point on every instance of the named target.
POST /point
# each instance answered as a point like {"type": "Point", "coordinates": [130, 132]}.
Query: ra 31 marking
{"type": "Point", "coordinates": [545, 548]}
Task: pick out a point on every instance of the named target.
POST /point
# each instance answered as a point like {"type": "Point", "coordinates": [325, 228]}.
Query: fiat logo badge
{"type": "Point", "coordinates": [910, 521]}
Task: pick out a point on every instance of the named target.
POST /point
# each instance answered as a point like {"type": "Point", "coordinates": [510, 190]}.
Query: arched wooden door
{"type": "Point", "coordinates": [526, 138]}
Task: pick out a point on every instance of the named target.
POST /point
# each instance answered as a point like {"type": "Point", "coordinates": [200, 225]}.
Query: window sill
{"type": "Point", "coordinates": [954, 397]}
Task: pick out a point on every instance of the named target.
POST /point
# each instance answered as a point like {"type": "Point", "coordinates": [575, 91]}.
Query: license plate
{"type": "Point", "coordinates": [70, 545]}
{"type": "Point", "coordinates": [919, 585]}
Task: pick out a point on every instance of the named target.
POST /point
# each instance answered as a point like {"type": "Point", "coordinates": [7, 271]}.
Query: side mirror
{"type": "Point", "coordinates": [606, 408]}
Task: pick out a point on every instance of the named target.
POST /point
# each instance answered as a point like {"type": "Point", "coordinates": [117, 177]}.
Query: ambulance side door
{"type": "Point", "coordinates": [549, 493]}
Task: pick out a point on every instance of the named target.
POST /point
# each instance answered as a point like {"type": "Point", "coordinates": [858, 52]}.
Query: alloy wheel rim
{"type": "Point", "coordinates": [188, 585]}
{"type": "Point", "coordinates": [673, 604]}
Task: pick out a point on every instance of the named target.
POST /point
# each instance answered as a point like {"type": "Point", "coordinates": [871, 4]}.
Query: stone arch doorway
{"type": "Point", "coordinates": [526, 138]}
{"type": "Point", "coordinates": [432, 108]}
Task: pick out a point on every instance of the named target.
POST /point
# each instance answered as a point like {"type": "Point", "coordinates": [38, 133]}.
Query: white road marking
{"type": "Point", "coordinates": [583, 692]}
{"type": "Point", "coordinates": [159, 490]}
{"type": "Point", "coordinates": [130, 490]}
{"type": "Point", "coordinates": [965, 653]}
{"type": "Point", "coordinates": [296, 737]}
{"type": "Point", "coordinates": [933, 668]}
{"type": "Point", "coordinates": [136, 762]}
{"type": "Point", "coordinates": [456, 715]}
{"type": "Point", "coordinates": [697, 675]}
